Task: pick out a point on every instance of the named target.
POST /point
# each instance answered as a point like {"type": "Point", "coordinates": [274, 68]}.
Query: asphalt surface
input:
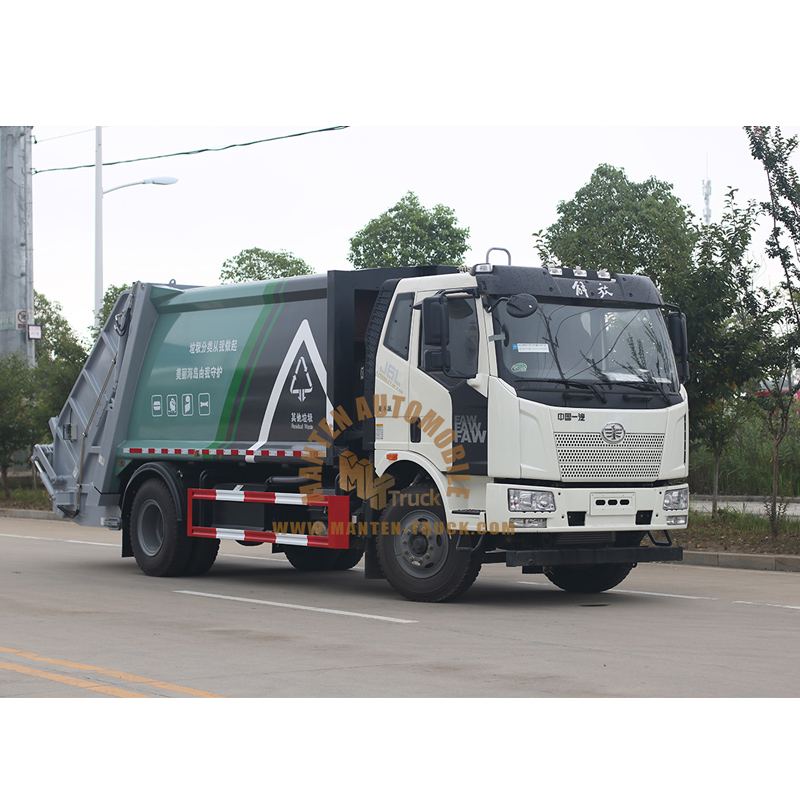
{"type": "Point", "coordinates": [76, 620]}
{"type": "Point", "coordinates": [704, 558]}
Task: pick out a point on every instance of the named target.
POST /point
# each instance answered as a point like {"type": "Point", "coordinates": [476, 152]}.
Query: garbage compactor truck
{"type": "Point", "coordinates": [428, 419]}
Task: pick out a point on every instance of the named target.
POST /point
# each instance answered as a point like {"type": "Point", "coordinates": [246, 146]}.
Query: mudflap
{"type": "Point", "coordinates": [372, 569]}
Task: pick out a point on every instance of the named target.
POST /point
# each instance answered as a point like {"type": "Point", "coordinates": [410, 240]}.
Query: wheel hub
{"type": "Point", "coordinates": [419, 548]}
{"type": "Point", "coordinates": [418, 545]}
{"type": "Point", "coordinates": [151, 527]}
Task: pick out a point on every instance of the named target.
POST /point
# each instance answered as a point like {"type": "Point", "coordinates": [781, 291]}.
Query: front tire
{"type": "Point", "coordinates": [417, 555]}
{"type": "Point", "coordinates": [590, 579]}
{"type": "Point", "coordinates": [315, 559]}
{"type": "Point", "coordinates": [158, 540]}
{"type": "Point", "coordinates": [348, 559]}
{"type": "Point", "coordinates": [311, 559]}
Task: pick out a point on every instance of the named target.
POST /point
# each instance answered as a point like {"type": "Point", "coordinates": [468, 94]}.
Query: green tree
{"type": "Point", "coordinates": [60, 355]}
{"type": "Point", "coordinates": [782, 345]}
{"type": "Point", "coordinates": [728, 320]}
{"type": "Point", "coordinates": [776, 397]}
{"type": "Point", "coordinates": [110, 298]}
{"type": "Point", "coordinates": [59, 341]}
{"type": "Point", "coordinates": [773, 151]}
{"type": "Point", "coordinates": [17, 417]}
{"type": "Point", "coordinates": [256, 264]}
{"type": "Point", "coordinates": [726, 312]}
{"type": "Point", "coordinates": [616, 224]}
{"type": "Point", "coordinates": [409, 234]}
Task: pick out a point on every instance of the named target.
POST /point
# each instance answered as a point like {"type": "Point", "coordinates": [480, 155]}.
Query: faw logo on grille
{"type": "Point", "coordinates": [613, 433]}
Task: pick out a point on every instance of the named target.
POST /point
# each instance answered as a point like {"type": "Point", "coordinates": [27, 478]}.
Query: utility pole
{"type": "Point", "coordinates": [707, 197]}
{"type": "Point", "coordinates": [98, 226]}
{"type": "Point", "coordinates": [16, 241]}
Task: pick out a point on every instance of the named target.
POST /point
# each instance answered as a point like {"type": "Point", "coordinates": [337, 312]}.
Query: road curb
{"type": "Point", "coordinates": [29, 513]}
{"type": "Point", "coordinates": [776, 563]}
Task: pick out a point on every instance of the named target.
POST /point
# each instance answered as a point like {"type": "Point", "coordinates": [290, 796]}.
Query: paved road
{"type": "Point", "coordinates": [76, 620]}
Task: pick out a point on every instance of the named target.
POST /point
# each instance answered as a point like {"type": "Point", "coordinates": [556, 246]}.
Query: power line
{"type": "Point", "coordinates": [62, 136]}
{"type": "Point", "coordinates": [194, 152]}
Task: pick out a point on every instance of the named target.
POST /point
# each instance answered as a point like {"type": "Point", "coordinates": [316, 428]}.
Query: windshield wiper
{"type": "Point", "coordinates": [567, 382]}
{"type": "Point", "coordinates": [651, 387]}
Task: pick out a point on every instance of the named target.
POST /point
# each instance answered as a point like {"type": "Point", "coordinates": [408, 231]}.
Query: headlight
{"type": "Point", "coordinates": [524, 500]}
{"type": "Point", "coordinates": [676, 500]}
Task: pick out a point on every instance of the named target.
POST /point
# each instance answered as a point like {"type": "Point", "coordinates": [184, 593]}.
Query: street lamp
{"type": "Point", "coordinates": [98, 218]}
{"type": "Point", "coordinates": [164, 181]}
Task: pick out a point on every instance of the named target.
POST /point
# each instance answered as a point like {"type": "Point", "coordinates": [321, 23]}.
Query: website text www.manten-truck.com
{"type": "Point", "coordinates": [388, 529]}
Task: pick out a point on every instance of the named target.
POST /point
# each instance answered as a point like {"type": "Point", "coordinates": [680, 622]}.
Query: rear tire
{"type": "Point", "coordinates": [590, 579]}
{"type": "Point", "coordinates": [158, 540]}
{"type": "Point", "coordinates": [204, 554]}
{"type": "Point", "coordinates": [421, 561]}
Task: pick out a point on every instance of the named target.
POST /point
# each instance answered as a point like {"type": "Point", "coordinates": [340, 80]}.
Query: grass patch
{"type": "Point", "coordinates": [738, 532]}
{"type": "Point", "coordinates": [25, 497]}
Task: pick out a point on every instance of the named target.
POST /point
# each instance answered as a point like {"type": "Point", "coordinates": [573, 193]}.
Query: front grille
{"type": "Point", "coordinates": [587, 455]}
{"type": "Point", "coordinates": [586, 537]}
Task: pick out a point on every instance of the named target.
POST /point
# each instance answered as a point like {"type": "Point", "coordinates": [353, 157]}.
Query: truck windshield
{"type": "Point", "coordinates": [586, 344]}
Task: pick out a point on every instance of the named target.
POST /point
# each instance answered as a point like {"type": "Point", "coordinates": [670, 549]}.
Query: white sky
{"type": "Point", "coordinates": [438, 96]}
{"type": "Point", "coordinates": [311, 194]}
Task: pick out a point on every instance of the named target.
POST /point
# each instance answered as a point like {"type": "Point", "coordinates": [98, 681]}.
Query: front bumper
{"type": "Point", "coordinates": [591, 509]}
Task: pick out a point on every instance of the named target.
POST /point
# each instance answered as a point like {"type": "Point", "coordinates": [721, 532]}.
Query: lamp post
{"type": "Point", "coordinates": [98, 217]}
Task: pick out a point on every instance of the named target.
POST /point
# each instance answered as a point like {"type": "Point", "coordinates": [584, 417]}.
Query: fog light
{"type": "Point", "coordinates": [682, 520]}
{"type": "Point", "coordinates": [528, 522]}
{"type": "Point", "coordinates": [526, 500]}
{"type": "Point", "coordinates": [676, 500]}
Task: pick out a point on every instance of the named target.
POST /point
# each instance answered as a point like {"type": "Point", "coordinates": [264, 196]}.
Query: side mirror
{"type": "Point", "coordinates": [522, 305]}
{"type": "Point", "coordinates": [435, 321]}
{"type": "Point", "coordinates": [676, 326]}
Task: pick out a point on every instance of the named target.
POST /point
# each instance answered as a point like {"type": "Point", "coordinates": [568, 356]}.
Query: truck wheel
{"type": "Point", "coordinates": [311, 559]}
{"type": "Point", "coordinates": [159, 542]}
{"type": "Point", "coordinates": [204, 554]}
{"type": "Point", "coordinates": [347, 559]}
{"type": "Point", "coordinates": [416, 554]}
{"type": "Point", "coordinates": [590, 579]}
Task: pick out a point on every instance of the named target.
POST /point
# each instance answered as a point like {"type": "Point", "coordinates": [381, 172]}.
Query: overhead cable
{"type": "Point", "coordinates": [194, 152]}
{"type": "Point", "coordinates": [62, 136]}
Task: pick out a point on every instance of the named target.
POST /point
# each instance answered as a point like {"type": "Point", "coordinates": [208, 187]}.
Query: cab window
{"type": "Point", "coordinates": [463, 342]}
{"type": "Point", "coordinates": [398, 330]}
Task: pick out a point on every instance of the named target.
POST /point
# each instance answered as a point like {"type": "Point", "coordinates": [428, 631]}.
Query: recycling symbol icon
{"type": "Point", "coordinates": [301, 382]}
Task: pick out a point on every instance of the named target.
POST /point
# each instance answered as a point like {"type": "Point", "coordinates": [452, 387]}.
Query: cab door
{"type": "Point", "coordinates": [450, 409]}
{"type": "Point", "coordinates": [392, 367]}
